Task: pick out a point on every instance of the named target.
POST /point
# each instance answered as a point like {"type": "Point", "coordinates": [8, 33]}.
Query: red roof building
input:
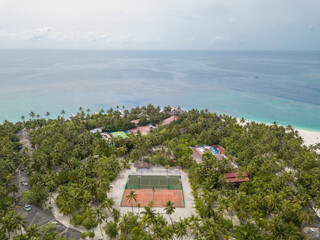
{"type": "Point", "coordinates": [234, 177]}
{"type": "Point", "coordinates": [169, 120]}
{"type": "Point", "coordinates": [145, 129]}
{"type": "Point", "coordinates": [135, 121]}
{"type": "Point", "coordinates": [19, 123]}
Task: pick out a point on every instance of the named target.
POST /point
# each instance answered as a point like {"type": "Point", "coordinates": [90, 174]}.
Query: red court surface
{"type": "Point", "coordinates": [159, 197]}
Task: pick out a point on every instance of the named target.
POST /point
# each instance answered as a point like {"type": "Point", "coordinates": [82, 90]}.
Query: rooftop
{"type": "Point", "coordinates": [235, 177]}
{"type": "Point", "coordinates": [119, 134]}
{"type": "Point", "coordinates": [145, 129]}
{"type": "Point", "coordinates": [135, 121]}
{"type": "Point", "coordinates": [169, 120]}
{"type": "Point", "coordinates": [96, 130]}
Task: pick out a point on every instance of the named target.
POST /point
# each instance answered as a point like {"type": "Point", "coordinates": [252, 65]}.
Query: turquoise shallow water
{"type": "Point", "coordinates": [261, 86]}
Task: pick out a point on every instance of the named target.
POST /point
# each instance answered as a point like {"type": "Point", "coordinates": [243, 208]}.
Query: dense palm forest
{"type": "Point", "coordinates": [276, 203]}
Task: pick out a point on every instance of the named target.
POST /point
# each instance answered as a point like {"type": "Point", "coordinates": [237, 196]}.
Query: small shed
{"type": "Point", "coordinates": [141, 164]}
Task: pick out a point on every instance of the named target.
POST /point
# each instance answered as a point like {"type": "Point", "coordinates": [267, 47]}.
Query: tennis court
{"type": "Point", "coordinates": [154, 182]}
{"type": "Point", "coordinates": [155, 188]}
{"type": "Point", "coordinates": [158, 196]}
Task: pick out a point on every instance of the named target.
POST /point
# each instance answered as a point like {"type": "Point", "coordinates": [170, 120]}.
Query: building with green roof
{"type": "Point", "coordinates": [119, 134]}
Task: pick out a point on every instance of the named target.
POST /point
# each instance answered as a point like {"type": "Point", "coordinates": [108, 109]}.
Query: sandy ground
{"type": "Point", "coordinates": [309, 137]}
{"type": "Point", "coordinates": [119, 183]}
{"type": "Point", "coordinates": [65, 220]}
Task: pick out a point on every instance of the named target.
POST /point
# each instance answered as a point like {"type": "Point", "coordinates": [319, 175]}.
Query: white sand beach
{"type": "Point", "coordinates": [309, 137]}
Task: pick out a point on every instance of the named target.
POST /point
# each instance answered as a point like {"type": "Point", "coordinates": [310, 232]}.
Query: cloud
{"type": "Point", "coordinates": [191, 39]}
{"type": "Point", "coordinates": [219, 39]}
{"type": "Point", "coordinates": [311, 27]}
{"type": "Point", "coordinates": [41, 34]}
{"type": "Point", "coordinates": [50, 34]}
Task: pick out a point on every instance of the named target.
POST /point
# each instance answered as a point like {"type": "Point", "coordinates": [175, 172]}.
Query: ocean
{"type": "Point", "coordinates": [260, 86]}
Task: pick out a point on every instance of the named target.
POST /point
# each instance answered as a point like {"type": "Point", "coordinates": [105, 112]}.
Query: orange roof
{"type": "Point", "coordinates": [135, 121]}
{"type": "Point", "coordinates": [169, 120]}
{"type": "Point", "coordinates": [245, 179]}
{"type": "Point", "coordinates": [145, 129]}
{"type": "Point", "coordinates": [234, 174]}
{"type": "Point", "coordinates": [234, 177]}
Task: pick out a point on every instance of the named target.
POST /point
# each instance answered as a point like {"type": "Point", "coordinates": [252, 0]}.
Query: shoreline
{"type": "Point", "coordinates": [309, 136]}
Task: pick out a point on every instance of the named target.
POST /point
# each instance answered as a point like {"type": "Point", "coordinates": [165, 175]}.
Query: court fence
{"type": "Point", "coordinates": [154, 182]}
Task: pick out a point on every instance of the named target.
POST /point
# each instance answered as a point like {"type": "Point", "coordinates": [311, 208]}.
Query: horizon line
{"type": "Point", "coordinates": [168, 50]}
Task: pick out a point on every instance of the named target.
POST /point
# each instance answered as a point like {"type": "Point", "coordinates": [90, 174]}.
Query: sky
{"type": "Point", "coordinates": [160, 24]}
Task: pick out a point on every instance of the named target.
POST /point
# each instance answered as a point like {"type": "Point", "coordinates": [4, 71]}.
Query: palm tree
{"type": "Point", "coordinates": [306, 216]}
{"type": "Point", "coordinates": [21, 222]}
{"type": "Point", "coordinates": [132, 196]}
{"type": "Point", "coordinates": [33, 231]}
{"type": "Point", "coordinates": [108, 203]}
{"type": "Point", "coordinates": [100, 217]}
{"type": "Point", "coordinates": [63, 112]}
{"type": "Point", "coordinates": [148, 215]}
{"type": "Point", "coordinates": [32, 114]}
{"type": "Point", "coordinates": [116, 215]}
{"type": "Point", "coordinates": [47, 114]}
{"type": "Point", "coordinates": [67, 207]}
{"type": "Point", "coordinates": [167, 232]}
{"type": "Point", "coordinates": [157, 230]}
{"type": "Point", "coordinates": [10, 222]}
{"type": "Point", "coordinates": [110, 111]}
{"type": "Point", "coordinates": [221, 206]}
{"type": "Point", "coordinates": [195, 226]}
{"type": "Point", "coordinates": [180, 229]}
{"type": "Point", "coordinates": [169, 209]}
{"type": "Point", "coordinates": [22, 118]}
{"type": "Point", "coordinates": [13, 189]}
{"type": "Point", "coordinates": [139, 206]}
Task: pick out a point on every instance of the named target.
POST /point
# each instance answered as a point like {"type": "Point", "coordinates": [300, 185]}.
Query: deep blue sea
{"type": "Point", "coordinates": [261, 86]}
